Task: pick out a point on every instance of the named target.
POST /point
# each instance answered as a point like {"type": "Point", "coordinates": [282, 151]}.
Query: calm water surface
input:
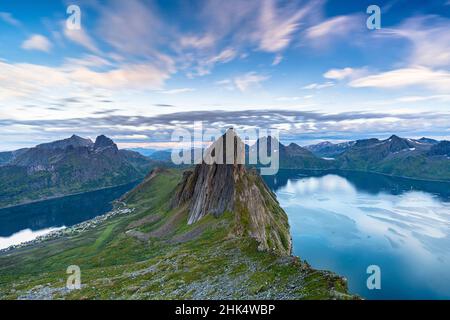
{"type": "Point", "coordinates": [345, 222]}
{"type": "Point", "coordinates": [24, 223]}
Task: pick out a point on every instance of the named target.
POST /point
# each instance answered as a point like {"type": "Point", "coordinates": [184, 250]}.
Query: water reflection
{"type": "Point", "coordinates": [370, 183]}
{"type": "Point", "coordinates": [346, 222]}
{"type": "Point", "coordinates": [24, 236]}
{"type": "Point", "coordinates": [24, 223]}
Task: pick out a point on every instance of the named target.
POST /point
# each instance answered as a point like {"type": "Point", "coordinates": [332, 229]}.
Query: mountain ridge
{"type": "Point", "coordinates": [219, 187]}
{"type": "Point", "coordinates": [68, 166]}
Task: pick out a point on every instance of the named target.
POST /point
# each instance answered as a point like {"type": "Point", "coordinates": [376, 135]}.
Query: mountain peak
{"type": "Point", "coordinates": [103, 142]}
{"type": "Point", "coordinates": [216, 188]}
{"type": "Point", "coordinates": [216, 153]}
{"type": "Point", "coordinates": [74, 141]}
{"type": "Point", "coordinates": [394, 137]}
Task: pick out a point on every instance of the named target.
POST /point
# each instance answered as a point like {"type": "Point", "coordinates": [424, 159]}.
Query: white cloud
{"type": "Point", "coordinates": [248, 80]}
{"type": "Point", "coordinates": [131, 27]}
{"type": "Point", "coordinates": [128, 76]}
{"type": "Point", "coordinates": [430, 38]}
{"type": "Point", "coordinates": [277, 26]}
{"type": "Point", "coordinates": [29, 80]}
{"type": "Point", "coordinates": [290, 99]}
{"type": "Point", "coordinates": [226, 55]}
{"type": "Point", "coordinates": [317, 86]}
{"type": "Point", "coordinates": [81, 38]}
{"type": "Point", "coordinates": [277, 60]}
{"type": "Point", "coordinates": [178, 91]}
{"type": "Point", "coordinates": [414, 76]}
{"type": "Point", "coordinates": [37, 42]}
{"type": "Point", "coordinates": [339, 74]}
{"type": "Point", "coordinates": [130, 137]}
{"type": "Point", "coordinates": [197, 42]}
{"type": "Point", "coordinates": [335, 27]}
{"type": "Point", "coordinates": [227, 84]}
{"type": "Point", "coordinates": [442, 97]}
{"type": "Point", "coordinates": [89, 61]}
{"type": "Point", "coordinates": [8, 18]}
{"type": "Point", "coordinates": [203, 66]}
{"type": "Point", "coordinates": [18, 80]}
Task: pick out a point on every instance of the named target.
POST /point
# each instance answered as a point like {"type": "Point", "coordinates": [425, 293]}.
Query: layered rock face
{"type": "Point", "coordinates": [217, 186]}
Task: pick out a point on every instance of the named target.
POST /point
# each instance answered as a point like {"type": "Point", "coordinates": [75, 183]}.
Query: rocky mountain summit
{"type": "Point", "coordinates": [227, 186]}
{"type": "Point", "coordinates": [68, 166]}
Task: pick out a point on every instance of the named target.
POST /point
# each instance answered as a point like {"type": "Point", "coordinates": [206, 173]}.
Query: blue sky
{"type": "Point", "coordinates": [138, 69]}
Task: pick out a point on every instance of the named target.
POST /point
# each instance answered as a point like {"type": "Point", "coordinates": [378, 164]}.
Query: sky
{"type": "Point", "coordinates": [136, 70]}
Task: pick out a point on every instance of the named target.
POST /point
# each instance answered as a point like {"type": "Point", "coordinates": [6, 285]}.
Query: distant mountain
{"type": "Point", "coordinates": [68, 166]}
{"type": "Point", "coordinates": [440, 149]}
{"type": "Point", "coordinates": [8, 156]}
{"type": "Point", "coordinates": [422, 159]}
{"type": "Point", "coordinates": [144, 151]}
{"type": "Point", "coordinates": [161, 155]}
{"type": "Point", "coordinates": [427, 141]}
{"type": "Point", "coordinates": [293, 156]}
{"type": "Point", "coordinates": [329, 150]}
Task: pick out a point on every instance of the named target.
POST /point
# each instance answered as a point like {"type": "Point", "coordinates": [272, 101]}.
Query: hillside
{"type": "Point", "coordinates": [176, 243]}
{"type": "Point", "coordinates": [68, 166]}
{"type": "Point", "coordinates": [327, 149]}
{"type": "Point", "coordinates": [293, 156]}
{"type": "Point", "coordinates": [424, 158]}
{"type": "Point", "coordinates": [421, 159]}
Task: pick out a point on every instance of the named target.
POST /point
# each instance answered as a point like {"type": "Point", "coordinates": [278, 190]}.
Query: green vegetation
{"type": "Point", "coordinates": [153, 253]}
{"type": "Point", "coordinates": [70, 166]}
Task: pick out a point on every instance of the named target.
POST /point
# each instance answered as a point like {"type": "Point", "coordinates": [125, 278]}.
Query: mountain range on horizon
{"type": "Point", "coordinates": [77, 164]}
{"type": "Point", "coordinates": [425, 159]}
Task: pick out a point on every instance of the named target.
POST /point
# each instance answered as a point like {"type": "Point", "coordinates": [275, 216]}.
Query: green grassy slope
{"type": "Point", "coordinates": [153, 254]}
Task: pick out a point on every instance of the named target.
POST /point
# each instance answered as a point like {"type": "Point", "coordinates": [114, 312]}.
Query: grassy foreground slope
{"type": "Point", "coordinates": [153, 253]}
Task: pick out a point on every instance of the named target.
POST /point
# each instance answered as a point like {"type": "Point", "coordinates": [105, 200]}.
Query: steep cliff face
{"type": "Point", "coordinates": [217, 186]}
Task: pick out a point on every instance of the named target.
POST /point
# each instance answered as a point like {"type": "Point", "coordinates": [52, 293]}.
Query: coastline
{"type": "Point", "coordinates": [371, 172]}
{"type": "Point", "coordinates": [67, 195]}
{"type": "Point", "coordinates": [122, 209]}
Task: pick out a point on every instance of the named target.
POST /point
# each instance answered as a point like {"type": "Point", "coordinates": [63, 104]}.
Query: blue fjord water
{"type": "Point", "coordinates": [26, 222]}
{"type": "Point", "coordinates": [347, 221]}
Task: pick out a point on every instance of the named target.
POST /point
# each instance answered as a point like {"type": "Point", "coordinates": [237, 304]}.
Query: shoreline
{"type": "Point", "coordinates": [78, 228]}
{"type": "Point", "coordinates": [371, 172]}
{"type": "Point", "coordinates": [66, 195]}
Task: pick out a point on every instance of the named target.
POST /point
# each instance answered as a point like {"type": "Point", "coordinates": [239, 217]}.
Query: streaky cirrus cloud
{"type": "Point", "coordinates": [82, 38]}
{"type": "Point", "coordinates": [435, 80]}
{"type": "Point", "coordinates": [293, 124]}
{"type": "Point", "coordinates": [28, 80]}
{"type": "Point", "coordinates": [429, 38]}
{"type": "Point", "coordinates": [9, 18]}
{"type": "Point", "coordinates": [317, 86]}
{"type": "Point", "coordinates": [336, 28]}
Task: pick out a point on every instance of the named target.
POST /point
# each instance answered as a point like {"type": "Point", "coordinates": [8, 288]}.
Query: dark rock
{"type": "Point", "coordinates": [217, 187]}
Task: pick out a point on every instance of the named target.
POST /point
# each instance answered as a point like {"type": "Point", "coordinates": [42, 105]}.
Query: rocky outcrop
{"type": "Point", "coordinates": [102, 143]}
{"type": "Point", "coordinates": [217, 186]}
